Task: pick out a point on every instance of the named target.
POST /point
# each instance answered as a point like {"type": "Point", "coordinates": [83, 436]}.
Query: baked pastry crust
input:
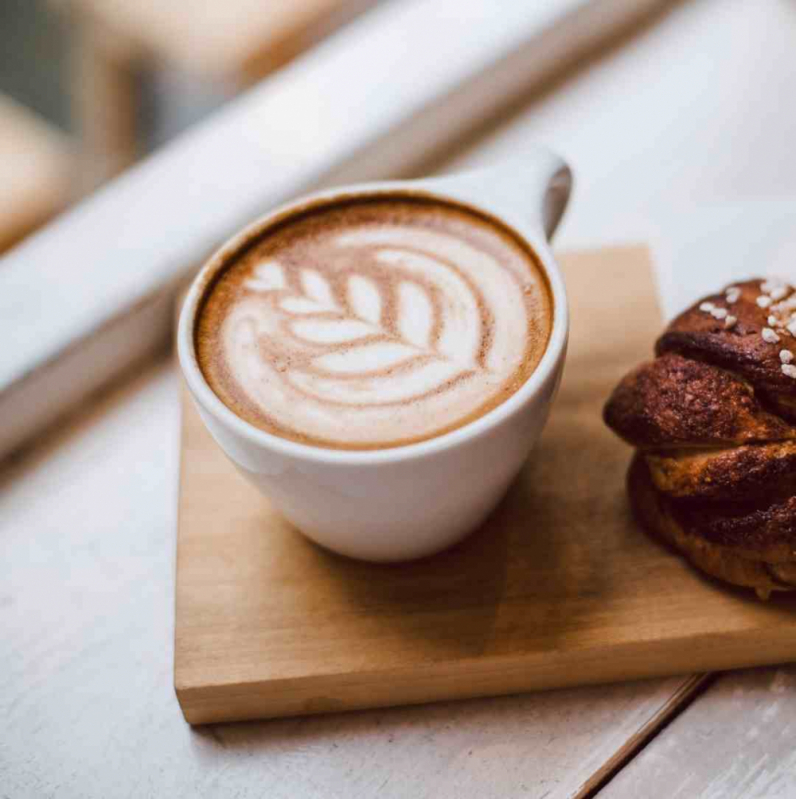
{"type": "Point", "coordinates": [734, 474]}
{"type": "Point", "coordinates": [740, 348]}
{"type": "Point", "coordinates": [713, 417]}
{"type": "Point", "coordinates": [677, 402]}
{"type": "Point", "coordinates": [742, 566]}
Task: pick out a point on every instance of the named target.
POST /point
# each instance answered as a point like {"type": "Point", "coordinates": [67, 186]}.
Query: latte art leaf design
{"type": "Point", "coordinates": [373, 324]}
{"type": "Point", "coordinates": [388, 335]}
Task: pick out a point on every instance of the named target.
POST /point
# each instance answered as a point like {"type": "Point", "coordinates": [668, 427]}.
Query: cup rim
{"type": "Point", "coordinates": [526, 231]}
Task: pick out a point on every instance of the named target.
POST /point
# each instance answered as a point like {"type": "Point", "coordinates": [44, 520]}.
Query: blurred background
{"type": "Point", "coordinates": [88, 87]}
{"type": "Point", "coordinates": [662, 107]}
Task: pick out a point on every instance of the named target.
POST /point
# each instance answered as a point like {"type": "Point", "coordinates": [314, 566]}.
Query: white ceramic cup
{"type": "Point", "coordinates": [410, 501]}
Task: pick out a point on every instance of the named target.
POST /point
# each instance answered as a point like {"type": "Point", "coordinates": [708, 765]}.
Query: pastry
{"type": "Point", "coordinates": [745, 547]}
{"type": "Point", "coordinates": [713, 419]}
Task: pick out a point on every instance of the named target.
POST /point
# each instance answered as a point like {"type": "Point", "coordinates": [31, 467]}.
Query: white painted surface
{"type": "Point", "coordinates": [720, 243]}
{"type": "Point", "coordinates": [736, 742]}
{"type": "Point", "coordinates": [86, 564]}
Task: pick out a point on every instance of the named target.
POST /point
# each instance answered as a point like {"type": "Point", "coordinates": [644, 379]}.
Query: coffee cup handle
{"type": "Point", "coordinates": [537, 183]}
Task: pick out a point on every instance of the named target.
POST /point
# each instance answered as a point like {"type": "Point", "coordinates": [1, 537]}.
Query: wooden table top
{"type": "Point", "coordinates": [690, 107]}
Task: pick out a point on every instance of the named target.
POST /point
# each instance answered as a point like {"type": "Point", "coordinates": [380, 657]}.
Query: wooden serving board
{"type": "Point", "coordinates": [559, 587]}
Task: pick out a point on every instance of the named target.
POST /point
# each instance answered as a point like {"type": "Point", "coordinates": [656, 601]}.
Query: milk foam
{"type": "Point", "coordinates": [384, 332]}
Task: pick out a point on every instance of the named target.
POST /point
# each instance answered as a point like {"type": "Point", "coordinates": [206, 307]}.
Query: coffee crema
{"type": "Point", "coordinates": [374, 323]}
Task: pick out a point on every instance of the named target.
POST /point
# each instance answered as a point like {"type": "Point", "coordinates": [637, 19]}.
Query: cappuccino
{"type": "Point", "coordinates": [373, 323]}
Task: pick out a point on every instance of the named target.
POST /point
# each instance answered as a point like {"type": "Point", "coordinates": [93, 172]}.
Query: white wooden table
{"type": "Point", "coordinates": [692, 107]}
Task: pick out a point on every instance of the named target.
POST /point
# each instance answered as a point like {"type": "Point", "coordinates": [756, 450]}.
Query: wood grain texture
{"type": "Point", "coordinates": [35, 163]}
{"type": "Point", "coordinates": [735, 741]}
{"type": "Point", "coordinates": [559, 588]}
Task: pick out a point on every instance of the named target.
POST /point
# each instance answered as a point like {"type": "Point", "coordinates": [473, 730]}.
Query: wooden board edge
{"type": "Point", "coordinates": [203, 703]}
